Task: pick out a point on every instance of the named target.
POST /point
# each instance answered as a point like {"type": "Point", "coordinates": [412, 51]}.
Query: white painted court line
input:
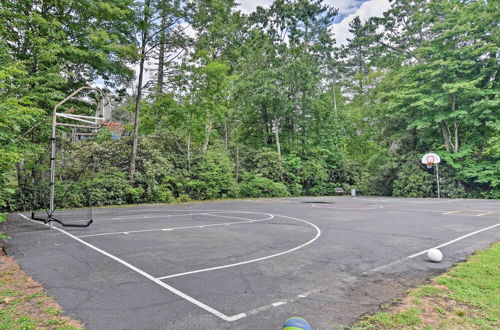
{"type": "Point", "coordinates": [318, 234]}
{"type": "Point", "coordinates": [149, 277]}
{"type": "Point", "coordinates": [453, 241]}
{"type": "Point", "coordinates": [185, 227]}
{"type": "Point", "coordinates": [136, 217]}
{"type": "Point", "coordinates": [485, 213]}
{"type": "Point", "coordinates": [453, 212]}
{"type": "Point", "coordinates": [272, 305]}
{"type": "Point", "coordinates": [435, 247]}
{"type": "Point", "coordinates": [354, 207]}
{"type": "Point", "coordinates": [352, 278]}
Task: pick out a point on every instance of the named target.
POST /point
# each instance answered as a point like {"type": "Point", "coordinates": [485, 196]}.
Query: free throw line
{"type": "Point", "coordinates": [185, 227]}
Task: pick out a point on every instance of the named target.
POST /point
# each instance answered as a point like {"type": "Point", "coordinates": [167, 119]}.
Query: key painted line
{"type": "Point", "coordinates": [318, 234]}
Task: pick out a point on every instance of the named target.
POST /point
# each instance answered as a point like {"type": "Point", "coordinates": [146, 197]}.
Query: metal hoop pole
{"type": "Point", "coordinates": [437, 179]}
{"type": "Point", "coordinates": [52, 164]}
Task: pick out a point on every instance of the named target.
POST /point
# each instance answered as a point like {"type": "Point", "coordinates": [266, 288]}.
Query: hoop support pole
{"type": "Point", "coordinates": [52, 164]}
{"type": "Point", "coordinates": [437, 179]}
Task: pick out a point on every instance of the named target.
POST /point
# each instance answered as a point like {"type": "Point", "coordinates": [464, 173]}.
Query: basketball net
{"type": "Point", "coordinates": [116, 129]}
{"type": "Point", "coordinates": [430, 161]}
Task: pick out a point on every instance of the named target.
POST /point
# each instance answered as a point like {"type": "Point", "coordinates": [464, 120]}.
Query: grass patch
{"type": "Point", "coordinates": [427, 291]}
{"type": "Point", "coordinates": [24, 304]}
{"type": "Point", "coordinates": [406, 318]}
{"type": "Point", "coordinates": [466, 297]}
{"type": "Point", "coordinates": [52, 311]}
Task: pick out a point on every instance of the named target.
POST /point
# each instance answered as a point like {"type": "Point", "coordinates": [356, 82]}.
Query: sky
{"type": "Point", "coordinates": [348, 9]}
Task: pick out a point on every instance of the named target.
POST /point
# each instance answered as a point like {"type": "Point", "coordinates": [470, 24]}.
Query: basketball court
{"type": "Point", "coordinates": [247, 264]}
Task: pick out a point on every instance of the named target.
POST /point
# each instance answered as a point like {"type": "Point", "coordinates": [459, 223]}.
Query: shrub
{"type": "Point", "coordinates": [212, 177]}
{"type": "Point", "coordinates": [163, 194]}
{"type": "Point", "coordinates": [110, 187]}
{"type": "Point", "coordinates": [412, 181]}
{"type": "Point", "coordinates": [135, 194]}
{"type": "Point", "coordinates": [257, 186]}
{"type": "Point", "coordinates": [183, 198]}
{"type": "Point", "coordinates": [267, 164]}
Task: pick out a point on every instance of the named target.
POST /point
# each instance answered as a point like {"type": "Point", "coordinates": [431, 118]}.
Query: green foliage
{"type": "Point", "coordinates": [267, 164]}
{"type": "Point", "coordinates": [253, 105]}
{"type": "Point", "coordinates": [258, 186]}
{"type": "Point", "coordinates": [212, 177]}
{"type": "Point", "coordinates": [109, 187]}
{"type": "Point", "coordinates": [408, 318]}
{"type": "Point", "coordinates": [476, 281]}
{"type": "Point", "coordinates": [413, 181]}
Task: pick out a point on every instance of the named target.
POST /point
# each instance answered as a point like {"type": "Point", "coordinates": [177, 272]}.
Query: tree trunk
{"type": "Point", "coordinates": [456, 146]}
{"type": "Point", "coordinates": [446, 136]}
{"type": "Point", "coordinates": [277, 135]}
{"type": "Point", "coordinates": [455, 124]}
{"type": "Point", "coordinates": [226, 135]}
{"type": "Point", "coordinates": [161, 56]}
{"type": "Point", "coordinates": [135, 136]}
{"type": "Point", "coordinates": [237, 164]}
{"type": "Point", "coordinates": [335, 101]}
{"type": "Point", "coordinates": [208, 130]}
{"type": "Point", "coordinates": [21, 174]}
{"type": "Point", "coordinates": [189, 141]}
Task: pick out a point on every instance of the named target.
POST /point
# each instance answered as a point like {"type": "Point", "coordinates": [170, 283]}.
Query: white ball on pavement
{"type": "Point", "coordinates": [434, 255]}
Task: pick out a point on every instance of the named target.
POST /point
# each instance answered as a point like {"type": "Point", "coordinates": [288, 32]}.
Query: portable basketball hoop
{"type": "Point", "coordinates": [430, 159]}
{"type": "Point", "coordinates": [77, 121]}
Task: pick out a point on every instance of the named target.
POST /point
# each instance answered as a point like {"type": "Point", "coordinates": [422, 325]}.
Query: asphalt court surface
{"type": "Point", "coordinates": [248, 264]}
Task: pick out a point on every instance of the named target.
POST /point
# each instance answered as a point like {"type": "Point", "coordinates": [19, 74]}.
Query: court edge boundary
{"type": "Point", "coordinates": [259, 309]}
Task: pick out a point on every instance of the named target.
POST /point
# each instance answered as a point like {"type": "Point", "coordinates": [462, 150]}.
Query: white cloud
{"type": "Point", "coordinates": [344, 6]}
{"type": "Point", "coordinates": [348, 9]}
{"type": "Point", "coordinates": [248, 6]}
{"type": "Point", "coordinates": [368, 9]}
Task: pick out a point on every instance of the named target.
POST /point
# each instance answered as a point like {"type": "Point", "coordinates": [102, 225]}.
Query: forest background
{"type": "Point", "coordinates": [222, 104]}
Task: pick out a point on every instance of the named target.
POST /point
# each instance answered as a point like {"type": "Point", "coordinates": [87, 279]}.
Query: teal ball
{"type": "Point", "coordinates": [296, 323]}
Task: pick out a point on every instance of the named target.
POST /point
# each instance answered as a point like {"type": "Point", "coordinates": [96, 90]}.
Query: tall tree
{"type": "Point", "coordinates": [157, 19]}
{"type": "Point", "coordinates": [56, 47]}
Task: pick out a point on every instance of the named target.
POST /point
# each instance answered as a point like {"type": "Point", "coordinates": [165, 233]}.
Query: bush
{"type": "Point", "coordinates": [163, 194]}
{"type": "Point", "coordinates": [110, 187]}
{"type": "Point", "coordinates": [267, 164]}
{"type": "Point", "coordinates": [134, 194]}
{"type": "Point", "coordinates": [293, 174]}
{"type": "Point", "coordinates": [413, 181]}
{"type": "Point", "coordinates": [257, 186]}
{"type": "Point", "coordinates": [212, 177]}
{"type": "Point", "coordinates": [183, 198]}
